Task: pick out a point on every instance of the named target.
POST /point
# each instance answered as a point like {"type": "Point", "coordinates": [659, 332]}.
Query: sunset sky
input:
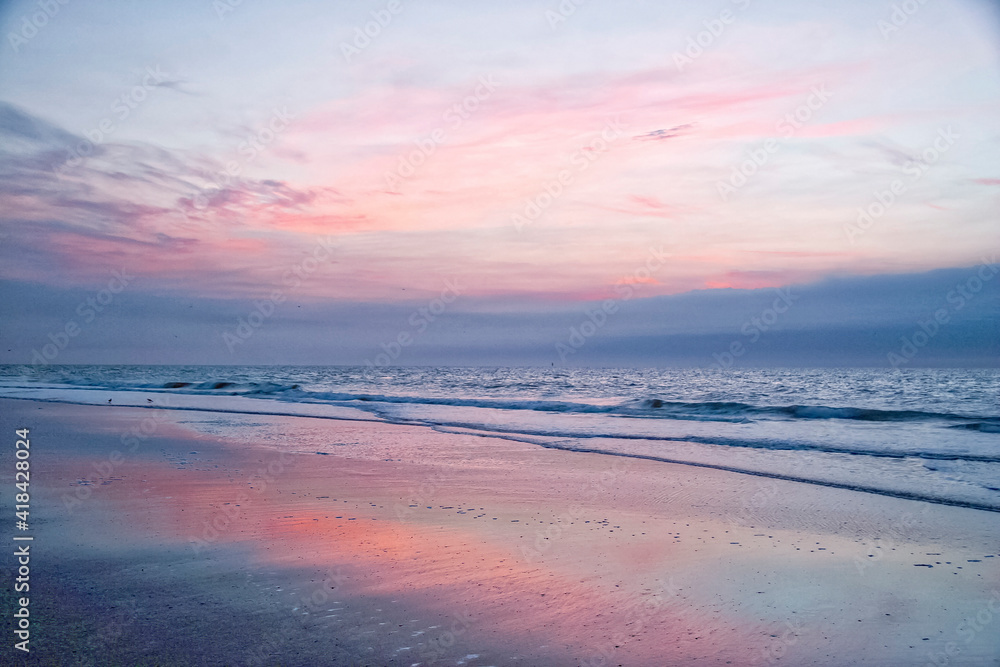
{"type": "Point", "coordinates": [681, 159]}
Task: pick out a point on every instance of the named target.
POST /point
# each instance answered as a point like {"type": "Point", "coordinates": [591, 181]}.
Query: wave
{"type": "Point", "coordinates": [982, 427]}
{"type": "Point", "coordinates": [646, 408]}
{"type": "Point", "coordinates": [225, 387]}
{"type": "Point", "coordinates": [808, 412]}
{"type": "Point", "coordinates": [773, 444]}
{"type": "Point", "coordinates": [850, 486]}
{"type": "Point", "coordinates": [843, 471]}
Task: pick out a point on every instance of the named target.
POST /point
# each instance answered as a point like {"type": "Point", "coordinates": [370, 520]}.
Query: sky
{"type": "Point", "coordinates": [741, 182]}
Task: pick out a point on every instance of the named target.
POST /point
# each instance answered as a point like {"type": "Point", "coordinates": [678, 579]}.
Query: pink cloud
{"type": "Point", "coordinates": [451, 213]}
{"type": "Point", "coordinates": [760, 279]}
{"type": "Point", "coordinates": [846, 128]}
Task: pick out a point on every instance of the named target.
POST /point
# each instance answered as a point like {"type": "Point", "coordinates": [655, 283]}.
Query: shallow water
{"type": "Point", "coordinates": [929, 434]}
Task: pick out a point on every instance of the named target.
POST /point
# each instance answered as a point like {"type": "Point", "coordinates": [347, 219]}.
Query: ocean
{"type": "Point", "coordinates": [924, 434]}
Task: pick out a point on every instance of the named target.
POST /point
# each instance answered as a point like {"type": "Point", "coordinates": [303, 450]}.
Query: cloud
{"type": "Point", "coordinates": [852, 320]}
{"type": "Point", "coordinates": [144, 206]}
{"type": "Point", "coordinates": [660, 135]}
{"type": "Point", "coordinates": [18, 126]}
{"type": "Point", "coordinates": [176, 85]}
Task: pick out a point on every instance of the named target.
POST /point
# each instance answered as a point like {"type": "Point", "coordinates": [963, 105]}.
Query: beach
{"type": "Point", "coordinates": [530, 334]}
{"type": "Point", "coordinates": [195, 537]}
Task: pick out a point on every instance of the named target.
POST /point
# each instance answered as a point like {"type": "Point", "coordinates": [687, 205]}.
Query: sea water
{"type": "Point", "coordinates": [926, 434]}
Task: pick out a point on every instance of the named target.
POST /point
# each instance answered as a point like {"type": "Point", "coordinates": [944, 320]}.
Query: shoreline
{"type": "Point", "coordinates": [352, 415]}
{"type": "Point", "coordinates": [535, 556]}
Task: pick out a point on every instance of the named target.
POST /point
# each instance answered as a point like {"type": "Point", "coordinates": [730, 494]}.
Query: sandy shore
{"type": "Point", "coordinates": [167, 537]}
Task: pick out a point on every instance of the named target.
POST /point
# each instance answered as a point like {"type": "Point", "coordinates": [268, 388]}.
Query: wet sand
{"type": "Point", "coordinates": [224, 539]}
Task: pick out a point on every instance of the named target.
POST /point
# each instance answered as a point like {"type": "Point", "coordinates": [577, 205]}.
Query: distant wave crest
{"type": "Point", "coordinates": [645, 408]}
{"type": "Point", "coordinates": [726, 409]}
